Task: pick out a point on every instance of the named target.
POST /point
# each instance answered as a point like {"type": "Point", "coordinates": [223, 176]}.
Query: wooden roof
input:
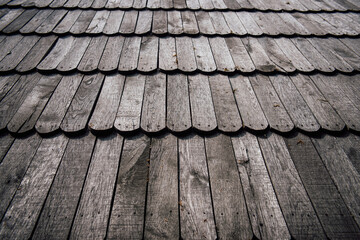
{"type": "Point", "coordinates": [191, 119]}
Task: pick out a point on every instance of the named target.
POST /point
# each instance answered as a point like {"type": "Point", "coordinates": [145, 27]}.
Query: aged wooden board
{"type": "Point", "coordinates": [129, 112]}
{"type": "Point", "coordinates": [6, 83]}
{"type": "Point", "coordinates": [82, 22]}
{"type": "Point", "coordinates": [93, 53]}
{"type": "Point", "coordinates": [143, 24]}
{"type": "Point", "coordinates": [55, 110]}
{"type": "Point", "coordinates": [226, 111]}
{"type": "Point", "coordinates": [178, 117]}
{"type": "Point", "coordinates": [13, 167]}
{"type": "Point", "coordinates": [239, 55]}
{"type": "Point", "coordinates": [73, 57]}
{"type": "Point", "coordinates": [230, 210]}
{"type": "Point", "coordinates": [153, 115]}
{"type": "Point", "coordinates": [222, 56]}
{"type": "Point", "coordinates": [292, 196]}
{"type": "Point", "coordinates": [9, 17]}
{"type": "Point", "coordinates": [110, 58]}
{"type": "Point", "coordinates": [67, 22]}
{"type": "Point", "coordinates": [148, 57]}
{"type": "Point", "coordinates": [196, 213]}
{"type": "Point", "coordinates": [130, 54]}
{"type": "Point", "coordinates": [97, 24]}
{"type": "Point", "coordinates": [159, 22]}
{"type": "Point", "coordinates": [8, 44]}
{"type": "Point", "coordinates": [250, 110]}
{"type": "Point", "coordinates": [128, 209]}
{"type": "Point", "coordinates": [202, 107]}
{"type": "Point", "coordinates": [51, 21]}
{"type": "Point", "coordinates": [94, 208]}
{"type": "Point", "coordinates": [20, 21]}
{"type": "Point", "coordinates": [189, 23]}
{"type": "Point", "coordinates": [185, 54]}
{"type": "Point", "coordinates": [204, 58]}
{"type": "Point", "coordinates": [204, 23]}
{"type": "Point", "coordinates": [24, 210]}
{"type": "Point", "coordinates": [249, 23]}
{"type": "Point", "coordinates": [113, 22]}
{"type": "Point", "coordinates": [35, 22]}
{"type": "Point", "coordinates": [60, 207]}
{"type": "Point", "coordinates": [219, 23]}
{"type": "Point", "coordinates": [162, 215]}
{"type": "Point", "coordinates": [328, 204]}
{"type": "Point", "coordinates": [82, 104]}
{"type": "Point", "coordinates": [168, 59]}
{"type": "Point", "coordinates": [129, 22]}
{"type": "Point", "coordinates": [107, 105]}
{"type": "Point", "coordinates": [6, 142]}
{"type": "Point", "coordinates": [274, 110]}
{"type": "Point", "coordinates": [265, 213]}
{"type": "Point", "coordinates": [26, 116]}
{"type": "Point", "coordinates": [175, 24]}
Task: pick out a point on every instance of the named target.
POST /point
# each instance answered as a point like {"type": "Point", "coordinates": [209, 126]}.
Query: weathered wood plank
{"type": "Point", "coordinates": [339, 101]}
{"type": "Point", "coordinates": [139, 4]}
{"type": "Point", "coordinates": [239, 55]}
{"type": "Point", "coordinates": [175, 24]}
{"type": "Point", "coordinates": [35, 22]}
{"type": "Point", "coordinates": [36, 54]}
{"type": "Point", "coordinates": [159, 22]}
{"type": "Point", "coordinates": [193, 4]}
{"type": "Point", "coordinates": [6, 83]}
{"type": "Point", "coordinates": [26, 116]}
{"type": "Point", "coordinates": [82, 22]}
{"type": "Point", "coordinates": [148, 57]}
{"type": "Point", "coordinates": [128, 23]}
{"type": "Point", "coordinates": [126, 4]}
{"type": "Point", "coordinates": [93, 53]}
{"type": "Point", "coordinates": [129, 54]}
{"type": "Point", "coordinates": [178, 118]}
{"type": "Point", "coordinates": [328, 204]}
{"type": "Point", "coordinates": [162, 215]}
{"type": "Point", "coordinates": [179, 4]}
{"type": "Point", "coordinates": [73, 57]}
{"type": "Point", "coordinates": [153, 115]}
{"type": "Point", "coordinates": [97, 24]}
{"type": "Point", "coordinates": [20, 21]}
{"type": "Point", "coordinates": [226, 111]}
{"type": "Point", "coordinates": [274, 110]}
{"type": "Point", "coordinates": [106, 107]}
{"type": "Point", "coordinates": [205, 23]}
{"type": "Point", "coordinates": [68, 21]}
{"type": "Point", "coordinates": [128, 209]}
{"type": "Point", "coordinates": [10, 17]}
{"type": "Point", "coordinates": [234, 23]}
{"type": "Point", "coordinates": [341, 170]}
{"type": "Point", "coordinates": [167, 54]}
{"type": "Point", "coordinates": [202, 107]}
{"type": "Point", "coordinates": [185, 54]}
{"type": "Point", "coordinates": [250, 111]}
{"type": "Point", "coordinates": [189, 23]}
{"type": "Point", "coordinates": [82, 104]}
{"type": "Point", "coordinates": [349, 143]}
{"type": "Point", "coordinates": [219, 23]}
{"type": "Point", "coordinates": [129, 112]}
{"type": "Point", "coordinates": [207, 5]}
{"type": "Point", "coordinates": [57, 54]}
{"type": "Point", "coordinates": [293, 23]}
{"type": "Point", "coordinates": [113, 22]}
{"type": "Point", "coordinates": [55, 110]}
{"type": "Point", "coordinates": [94, 208]}
{"type": "Point", "coordinates": [51, 21]}
{"type": "Point", "coordinates": [8, 44]}
{"type": "Point", "coordinates": [16, 96]}
{"type": "Point", "coordinates": [204, 58]}
{"type": "Point", "coordinates": [111, 56]}
{"type": "Point", "coordinates": [249, 23]}
{"type": "Point", "coordinates": [60, 206]}
{"type": "Point", "coordinates": [230, 211]}
{"type": "Point", "coordinates": [295, 105]}
{"type": "Point", "coordinates": [221, 55]}
{"type": "Point", "coordinates": [349, 85]}
{"type": "Point", "coordinates": [143, 24]}
{"type": "Point", "coordinates": [196, 213]}
{"type": "Point", "coordinates": [298, 212]}
{"type": "Point", "coordinates": [320, 107]}
{"type": "Point", "coordinates": [24, 210]}
{"type": "Point", "coordinates": [6, 142]}
{"type": "Point", "coordinates": [13, 167]}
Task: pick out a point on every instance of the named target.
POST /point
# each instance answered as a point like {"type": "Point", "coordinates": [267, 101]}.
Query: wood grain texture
{"type": "Point", "coordinates": [204, 22]}
{"type": "Point", "coordinates": [130, 54]}
{"type": "Point", "coordinates": [342, 171]}
{"type": "Point", "coordinates": [20, 21]}
{"type": "Point", "coordinates": [35, 22]}
{"type": "Point", "coordinates": [82, 104]}
{"type": "Point", "coordinates": [222, 56]}
{"type": "Point", "coordinates": [128, 209]}
{"type": "Point", "coordinates": [67, 22]}
{"type": "Point", "coordinates": [6, 142]}
{"type": "Point", "coordinates": [328, 204]}
{"type": "Point", "coordinates": [56, 108]}
{"type": "Point", "coordinates": [107, 105]}
{"type": "Point", "coordinates": [295, 105]}
{"type": "Point", "coordinates": [9, 17]}
{"type": "Point", "coordinates": [82, 22]}
{"type": "Point", "coordinates": [219, 23]}
{"type": "Point", "coordinates": [159, 22]}
{"type": "Point", "coordinates": [93, 212]}
{"type": "Point", "coordinates": [231, 216]}
{"type": "Point", "coordinates": [26, 116]}
{"type": "Point", "coordinates": [113, 22]}
{"type": "Point", "coordinates": [72, 59]}
{"type": "Point", "coordinates": [13, 167]}
{"type": "Point", "coordinates": [162, 215]}
{"type": "Point", "coordinates": [148, 57]}
{"type": "Point", "coordinates": [175, 24]}
{"type": "Point", "coordinates": [204, 58]}
{"type": "Point", "coordinates": [6, 83]}
{"type": "Point", "coordinates": [234, 23]}
{"type": "Point", "coordinates": [239, 55]}
{"type": "Point", "coordinates": [196, 213]}
{"type": "Point", "coordinates": [249, 23]}
{"type": "Point", "coordinates": [296, 206]}
{"type": "Point", "coordinates": [111, 56]}
{"type": "Point", "coordinates": [168, 59]}
{"type": "Point", "coordinates": [129, 22]}
{"type": "Point", "coordinates": [143, 24]}
{"type": "Point", "coordinates": [129, 112]}
{"type": "Point", "coordinates": [153, 115]}
{"type": "Point", "coordinates": [226, 111]}
{"type": "Point", "coordinates": [60, 206]}
{"type": "Point", "coordinates": [178, 118]}
{"type": "Point", "coordinates": [97, 24]}
{"type": "Point", "coordinates": [16, 96]}
{"type": "Point", "coordinates": [202, 107]}
{"type": "Point", "coordinates": [51, 21]}
{"type": "Point", "coordinates": [274, 110]}
{"type": "Point", "coordinates": [189, 23]}
{"type": "Point", "coordinates": [24, 210]}
{"type": "Point", "coordinates": [93, 53]}
{"type": "Point", "coordinates": [250, 110]}
{"type": "Point", "coordinates": [8, 44]}
{"type": "Point", "coordinates": [266, 217]}
{"type": "Point", "coordinates": [185, 54]}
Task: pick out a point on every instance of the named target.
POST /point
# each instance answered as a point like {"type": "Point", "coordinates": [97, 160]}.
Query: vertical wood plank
{"type": "Point", "coordinates": [167, 54]}
{"type": "Point", "coordinates": [148, 58]}
{"type": "Point", "coordinates": [92, 55]}
{"type": "Point", "coordinates": [129, 54]}
{"type": "Point", "coordinates": [185, 54]}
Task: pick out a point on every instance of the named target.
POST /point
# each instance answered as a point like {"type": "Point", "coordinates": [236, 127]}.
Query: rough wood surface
{"type": "Point", "coordinates": [93, 212]}
{"type": "Point", "coordinates": [189, 23]}
{"type": "Point", "coordinates": [328, 204]}
{"type": "Point", "coordinates": [113, 22]}
{"type": "Point", "coordinates": [264, 210]}
{"type": "Point", "coordinates": [35, 22]}
{"type": "Point", "coordinates": [175, 24]}
{"type": "Point", "coordinates": [55, 110]}
{"type": "Point", "coordinates": [130, 53]}
{"type": "Point", "coordinates": [258, 55]}
{"type": "Point", "coordinates": [222, 56]}
{"type": "Point", "coordinates": [159, 22]}
{"type": "Point", "coordinates": [6, 83]}
{"type": "Point", "coordinates": [24, 210]}
{"type": "Point", "coordinates": [250, 110]}
{"type": "Point", "coordinates": [82, 104]}
{"type": "Point", "coordinates": [129, 22]}
{"type": "Point", "coordinates": [239, 55]}
{"type": "Point", "coordinates": [196, 213]}
{"type": "Point", "coordinates": [231, 216]}
{"type": "Point", "coordinates": [68, 21]}
{"type": "Point", "coordinates": [97, 24]}
{"type": "Point", "coordinates": [60, 207]}
{"type": "Point", "coordinates": [202, 107]}
{"type": "Point", "coordinates": [143, 24]}
{"type": "Point", "coordinates": [162, 215]}
{"type": "Point", "coordinates": [129, 112]}
{"type": "Point", "coordinates": [128, 209]}
{"type": "Point", "coordinates": [93, 53]}
{"type": "Point", "coordinates": [20, 21]}
{"type": "Point", "coordinates": [82, 22]}
{"type": "Point", "coordinates": [204, 58]}
{"type": "Point", "coordinates": [226, 111]}
{"type": "Point", "coordinates": [167, 54]}
{"type": "Point", "coordinates": [72, 59]}
{"type": "Point", "coordinates": [110, 58]}
{"type": "Point", "coordinates": [204, 22]}
{"type": "Point", "coordinates": [148, 57]}
{"type": "Point", "coordinates": [51, 21]}
{"type": "Point", "coordinates": [219, 23]}
{"type": "Point", "coordinates": [185, 54]}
